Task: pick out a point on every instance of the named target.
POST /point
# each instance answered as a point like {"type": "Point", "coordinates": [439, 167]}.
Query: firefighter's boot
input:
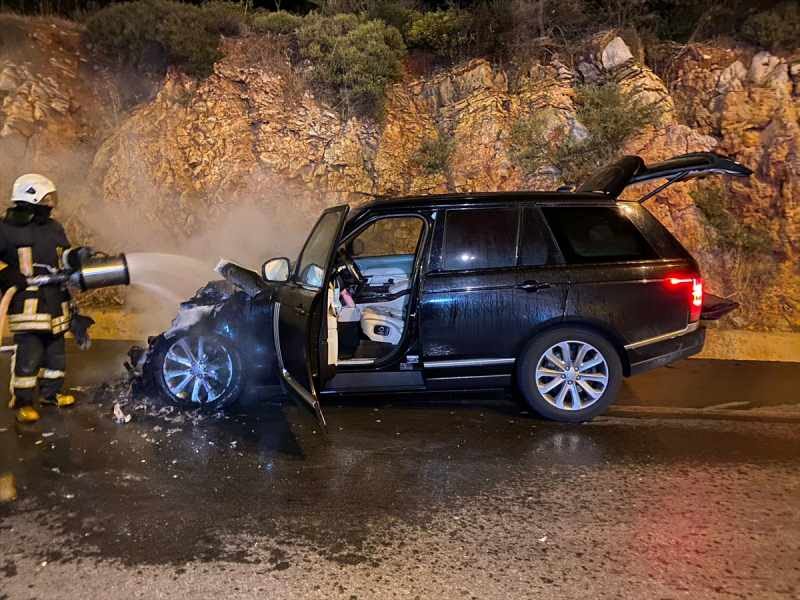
{"type": "Point", "coordinates": [60, 400]}
{"type": "Point", "coordinates": [27, 414]}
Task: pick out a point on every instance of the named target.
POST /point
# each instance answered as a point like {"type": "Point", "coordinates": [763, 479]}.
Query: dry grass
{"type": "Point", "coordinates": [275, 53]}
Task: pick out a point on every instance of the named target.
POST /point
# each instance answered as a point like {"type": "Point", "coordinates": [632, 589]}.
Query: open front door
{"type": "Point", "coordinates": [300, 309]}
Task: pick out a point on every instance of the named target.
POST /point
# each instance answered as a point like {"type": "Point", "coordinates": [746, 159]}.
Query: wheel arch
{"type": "Point", "coordinates": [592, 325]}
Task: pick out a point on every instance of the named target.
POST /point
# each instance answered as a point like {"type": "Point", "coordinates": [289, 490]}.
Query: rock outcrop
{"type": "Point", "coordinates": [255, 133]}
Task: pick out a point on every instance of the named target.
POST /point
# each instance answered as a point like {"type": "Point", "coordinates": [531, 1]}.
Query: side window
{"type": "Point", "coordinates": [597, 234]}
{"type": "Point", "coordinates": [390, 236]}
{"type": "Point", "coordinates": [536, 246]}
{"type": "Point", "coordinates": [314, 259]}
{"type": "Point", "coordinates": [480, 238]}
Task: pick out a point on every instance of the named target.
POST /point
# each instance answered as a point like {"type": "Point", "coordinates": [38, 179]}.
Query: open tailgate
{"type": "Point", "coordinates": [631, 170]}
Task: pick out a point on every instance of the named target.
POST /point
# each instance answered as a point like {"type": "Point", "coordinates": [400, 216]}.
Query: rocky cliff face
{"type": "Point", "coordinates": [253, 133]}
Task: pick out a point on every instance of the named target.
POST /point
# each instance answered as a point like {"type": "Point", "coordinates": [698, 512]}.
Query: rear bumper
{"type": "Point", "coordinates": [668, 351]}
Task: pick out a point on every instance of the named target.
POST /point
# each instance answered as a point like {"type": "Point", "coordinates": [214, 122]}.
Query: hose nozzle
{"type": "Point", "coordinates": [102, 271]}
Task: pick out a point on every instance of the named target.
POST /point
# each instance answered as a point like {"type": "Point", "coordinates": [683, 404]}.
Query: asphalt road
{"type": "Point", "coordinates": [462, 497]}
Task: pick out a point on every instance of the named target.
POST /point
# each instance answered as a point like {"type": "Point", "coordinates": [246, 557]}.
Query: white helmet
{"type": "Point", "coordinates": [34, 189]}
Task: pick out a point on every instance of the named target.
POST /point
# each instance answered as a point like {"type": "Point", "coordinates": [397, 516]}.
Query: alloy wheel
{"type": "Point", "coordinates": [197, 370]}
{"type": "Point", "coordinates": [572, 375]}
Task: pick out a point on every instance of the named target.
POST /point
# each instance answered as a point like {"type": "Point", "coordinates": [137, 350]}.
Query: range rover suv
{"type": "Point", "coordinates": [558, 295]}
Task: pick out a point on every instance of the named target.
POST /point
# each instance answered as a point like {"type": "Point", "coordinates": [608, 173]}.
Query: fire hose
{"type": "Point", "coordinates": [5, 302]}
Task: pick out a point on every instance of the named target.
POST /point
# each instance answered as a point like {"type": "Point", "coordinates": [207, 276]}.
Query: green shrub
{"type": "Point", "coordinates": [225, 18]}
{"type": "Point", "coordinates": [352, 58]}
{"type": "Point", "coordinates": [542, 140]}
{"type": "Point", "coordinates": [492, 28]}
{"type": "Point", "coordinates": [396, 14]}
{"type": "Point", "coordinates": [277, 23]}
{"type": "Point", "coordinates": [446, 33]}
{"type": "Point", "coordinates": [776, 29]}
{"type": "Point", "coordinates": [610, 117]}
{"type": "Point", "coordinates": [433, 155]}
{"type": "Point", "coordinates": [151, 34]}
{"type": "Point", "coordinates": [715, 204]}
{"type": "Point", "coordinates": [534, 142]}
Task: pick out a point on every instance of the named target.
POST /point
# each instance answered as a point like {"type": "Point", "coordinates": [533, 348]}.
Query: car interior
{"type": "Point", "coordinates": [368, 296]}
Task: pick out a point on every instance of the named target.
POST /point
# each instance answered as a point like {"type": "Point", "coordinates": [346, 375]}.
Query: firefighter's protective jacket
{"type": "Point", "coordinates": [33, 245]}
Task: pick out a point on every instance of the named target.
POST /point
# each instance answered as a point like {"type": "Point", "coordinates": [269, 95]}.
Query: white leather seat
{"type": "Point", "coordinates": [382, 324]}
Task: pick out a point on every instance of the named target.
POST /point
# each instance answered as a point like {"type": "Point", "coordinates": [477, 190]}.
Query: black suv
{"type": "Point", "coordinates": [556, 294]}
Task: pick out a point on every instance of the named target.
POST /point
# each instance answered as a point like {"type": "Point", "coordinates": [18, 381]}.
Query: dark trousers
{"type": "Point", "coordinates": [40, 358]}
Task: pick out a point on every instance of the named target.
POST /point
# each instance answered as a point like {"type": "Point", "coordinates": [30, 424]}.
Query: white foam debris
{"type": "Point", "coordinates": [187, 318]}
{"type": "Point", "coordinates": [119, 416]}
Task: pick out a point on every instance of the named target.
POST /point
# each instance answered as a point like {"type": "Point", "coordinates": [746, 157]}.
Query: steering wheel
{"type": "Point", "coordinates": [352, 268]}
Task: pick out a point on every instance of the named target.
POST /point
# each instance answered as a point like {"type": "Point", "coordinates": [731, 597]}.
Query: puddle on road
{"type": "Point", "coordinates": [171, 487]}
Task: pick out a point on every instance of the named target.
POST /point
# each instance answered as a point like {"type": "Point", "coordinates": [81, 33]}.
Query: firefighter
{"type": "Point", "coordinates": [33, 243]}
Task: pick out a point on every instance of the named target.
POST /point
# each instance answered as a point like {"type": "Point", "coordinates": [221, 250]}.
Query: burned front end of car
{"type": "Point", "coordinates": [220, 345]}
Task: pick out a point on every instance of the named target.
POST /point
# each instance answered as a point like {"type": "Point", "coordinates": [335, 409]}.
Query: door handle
{"type": "Point", "coordinates": [299, 309]}
{"type": "Point", "coordinates": [533, 286]}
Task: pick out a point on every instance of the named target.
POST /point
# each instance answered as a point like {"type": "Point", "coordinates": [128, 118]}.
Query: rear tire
{"type": "Point", "coordinates": [569, 374]}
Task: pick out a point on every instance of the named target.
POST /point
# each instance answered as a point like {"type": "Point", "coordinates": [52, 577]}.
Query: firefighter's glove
{"type": "Point", "coordinates": [79, 327]}
{"type": "Point", "coordinates": [75, 257]}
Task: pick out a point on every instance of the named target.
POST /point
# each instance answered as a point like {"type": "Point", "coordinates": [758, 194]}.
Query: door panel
{"type": "Point", "coordinates": [296, 304]}
{"type": "Point", "coordinates": [467, 299]}
{"type": "Point", "coordinates": [296, 331]}
{"type": "Point", "coordinates": [468, 315]}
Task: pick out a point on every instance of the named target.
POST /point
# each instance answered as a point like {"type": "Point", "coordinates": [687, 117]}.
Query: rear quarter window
{"type": "Point", "coordinates": [597, 234]}
{"type": "Point", "coordinates": [657, 235]}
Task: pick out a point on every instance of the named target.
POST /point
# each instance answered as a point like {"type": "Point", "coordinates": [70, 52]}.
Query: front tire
{"type": "Point", "coordinates": [200, 370]}
{"type": "Point", "coordinates": [569, 374]}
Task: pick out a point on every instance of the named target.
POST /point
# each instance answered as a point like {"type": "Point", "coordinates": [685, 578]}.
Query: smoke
{"type": "Point", "coordinates": [168, 266]}
{"type": "Point", "coordinates": [172, 244]}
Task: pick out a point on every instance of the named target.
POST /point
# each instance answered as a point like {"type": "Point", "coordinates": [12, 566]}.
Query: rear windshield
{"type": "Point", "coordinates": [597, 234]}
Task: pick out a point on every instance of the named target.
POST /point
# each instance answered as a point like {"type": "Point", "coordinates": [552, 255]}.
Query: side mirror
{"type": "Point", "coordinates": [276, 269]}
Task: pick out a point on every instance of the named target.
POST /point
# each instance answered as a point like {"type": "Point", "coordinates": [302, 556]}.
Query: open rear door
{"type": "Point", "coordinates": [630, 170]}
{"type": "Point", "coordinates": [299, 306]}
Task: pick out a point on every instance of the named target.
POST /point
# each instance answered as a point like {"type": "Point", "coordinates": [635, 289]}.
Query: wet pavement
{"type": "Point", "coordinates": [445, 497]}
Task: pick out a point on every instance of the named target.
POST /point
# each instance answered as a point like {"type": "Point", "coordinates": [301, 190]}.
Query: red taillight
{"type": "Point", "coordinates": [696, 299]}
{"type": "Point", "coordinates": [678, 280]}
